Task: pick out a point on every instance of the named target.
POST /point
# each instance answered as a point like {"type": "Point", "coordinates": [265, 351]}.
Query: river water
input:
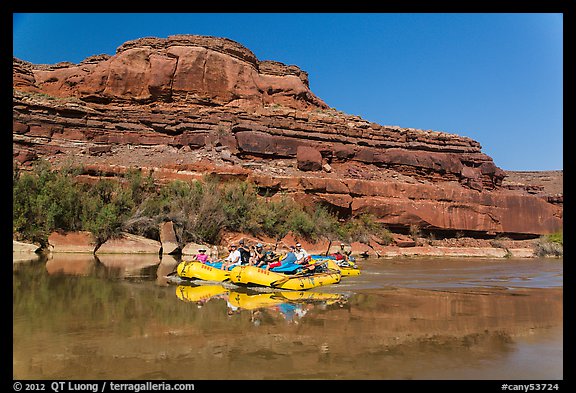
{"type": "Point", "coordinates": [78, 317]}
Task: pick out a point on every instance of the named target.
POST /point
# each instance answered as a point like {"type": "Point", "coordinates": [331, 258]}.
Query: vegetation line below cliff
{"type": "Point", "coordinates": [45, 200]}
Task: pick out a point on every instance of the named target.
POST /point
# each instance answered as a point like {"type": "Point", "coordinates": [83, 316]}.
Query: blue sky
{"type": "Point", "coordinates": [496, 77]}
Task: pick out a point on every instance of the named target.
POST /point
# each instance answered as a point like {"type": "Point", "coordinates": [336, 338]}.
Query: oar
{"type": "Point", "coordinates": [309, 272]}
{"type": "Point", "coordinates": [285, 279]}
{"type": "Point", "coordinates": [278, 283]}
{"type": "Point", "coordinates": [329, 245]}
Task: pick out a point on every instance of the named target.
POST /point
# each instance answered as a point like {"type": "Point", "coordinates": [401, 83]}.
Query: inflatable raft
{"type": "Point", "coordinates": [202, 271]}
{"type": "Point", "coordinates": [201, 294]}
{"type": "Point", "coordinates": [263, 300]}
{"type": "Point", "coordinates": [347, 268]}
{"type": "Point", "coordinates": [350, 270]}
{"type": "Point", "coordinates": [310, 296]}
{"type": "Point", "coordinates": [255, 276]}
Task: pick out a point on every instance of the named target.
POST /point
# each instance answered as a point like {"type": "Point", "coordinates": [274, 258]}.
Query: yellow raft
{"type": "Point", "coordinates": [200, 293]}
{"type": "Point", "coordinates": [253, 302]}
{"type": "Point", "coordinates": [252, 275]}
{"type": "Point", "coordinates": [263, 300]}
{"type": "Point", "coordinates": [351, 270]}
{"type": "Point", "coordinates": [308, 296]}
{"type": "Point", "coordinates": [201, 271]}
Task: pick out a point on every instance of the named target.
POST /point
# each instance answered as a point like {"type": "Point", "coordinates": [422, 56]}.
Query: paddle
{"type": "Point", "coordinates": [329, 245]}
{"type": "Point", "coordinates": [283, 280]}
{"type": "Point", "coordinates": [308, 272]}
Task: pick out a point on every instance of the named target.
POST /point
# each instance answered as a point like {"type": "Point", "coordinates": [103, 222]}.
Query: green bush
{"type": "Point", "coordinates": [46, 200]}
{"type": "Point", "coordinates": [550, 245]}
{"type": "Point", "coordinates": [362, 228]}
{"type": "Point", "coordinates": [556, 238]}
{"type": "Point", "coordinates": [302, 224]}
{"type": "Point", "coordinates": [238, 202]}
{"type": "Point", "coordinates": [271, 217]}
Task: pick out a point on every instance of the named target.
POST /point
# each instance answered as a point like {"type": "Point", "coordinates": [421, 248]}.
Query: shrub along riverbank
{"type": "Point", "coordinates": [45, 200]}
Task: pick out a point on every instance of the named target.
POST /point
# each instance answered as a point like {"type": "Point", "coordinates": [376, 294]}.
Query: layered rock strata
{"type": "Point", "coordinates": [186, 106]}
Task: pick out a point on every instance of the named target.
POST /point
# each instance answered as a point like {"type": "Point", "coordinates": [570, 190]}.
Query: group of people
{"type": "Point", "coordinates": [257, 255]}
{"type": "Point", "coordinates": [264, 257]}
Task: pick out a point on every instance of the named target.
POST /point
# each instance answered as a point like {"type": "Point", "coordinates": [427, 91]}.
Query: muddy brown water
{"type": "Point", "coordinates": [78, 317]}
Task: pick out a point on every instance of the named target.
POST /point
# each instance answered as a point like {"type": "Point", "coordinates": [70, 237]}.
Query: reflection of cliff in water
{"type": "Point", "coordinates": [391, 331]}
{"type": "Point", "coordinates": [390, 334]}
{"type": "Point", "coordinates": [126, 265]}
{"type": "Point", "coordinates": [115, 266]}
{"type": "Point", "coordinates": [72, 264]}
{"type": "Point", "coordinates": [92, 327]}
{"type": "Point", "coordinates": [405, 312]}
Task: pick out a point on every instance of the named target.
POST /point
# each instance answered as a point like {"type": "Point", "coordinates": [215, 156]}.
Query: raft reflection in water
{"type": "Point", "coordinates": [293, 305]}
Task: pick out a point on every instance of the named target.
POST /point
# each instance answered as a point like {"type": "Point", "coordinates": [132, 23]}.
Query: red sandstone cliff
{"type": "Point", "coordinates": [189, 105]}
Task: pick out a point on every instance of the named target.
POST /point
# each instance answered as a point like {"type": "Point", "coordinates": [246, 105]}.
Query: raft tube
{"type": "Point", "coordinates": [202, 271]}
{"type": "Point", "coordinates": [252, 275]}
{"type": "Point", "coordinates": [270, 299]}
{"type": "Point", "coordinates": [200, 293]}
{"type": "Point", "coordinates": [253, 302]}
{"type": "Point", "coordinates": [351, 270]}
{"type": "Point", "coordinates": [347, 268]}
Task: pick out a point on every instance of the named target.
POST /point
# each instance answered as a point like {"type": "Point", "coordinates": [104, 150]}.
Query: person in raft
{"type": "Point", "coordinates": [268, 257]}
{"type": "Point", "coordinates": [344, 257]}
{"type": "Point", "coordinates": [290, 257]}
{"type": "Point", "coordinates": [202, 256]}
{"type": "Point", "coordinates": [244, 253]}
{"type": "Point", "coordinates": [257, 254]}
{"type": "Point", "coordinates": [341, 254]}
{"type": "Point", "coordinates": [302, 257]}
{"type": "Point", "coordinates": [345, 252]}
{"type": "Point", "coordinates": [233, 259]}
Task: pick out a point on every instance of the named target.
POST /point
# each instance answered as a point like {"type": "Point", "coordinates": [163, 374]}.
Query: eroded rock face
{"type": "Point", "coordinates": [168, 239]}
{"type": "Point", "coordinates": [189, 105]}
{"type": "Point", "coordinates": [182, 68]}
{"type": "Point", "coordinates": [309, 159]}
